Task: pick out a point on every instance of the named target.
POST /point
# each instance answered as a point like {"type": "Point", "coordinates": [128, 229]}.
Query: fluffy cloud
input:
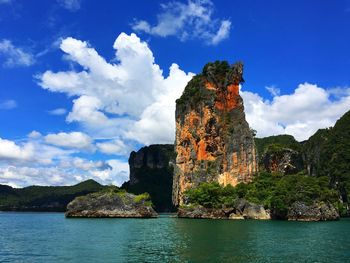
{"type": "Point", "coordinates": [187, 21]}
{"type": "Point", "coordinates": [300, 114]}
{"type": "Point", "coordinates": [8, 105]}
{"type": "Point", "coordinates": [123, 100]}
{"type": "Point", "coordinates": [15, 56]}
{"type": "Point", "coordinates": [9, 150]}
{"type": "Point", "coordinates": [34, 135]}
{"type": "Point", "coordinates": [76, 140]}
{"type": "Point", "coordinates": [115, 147]}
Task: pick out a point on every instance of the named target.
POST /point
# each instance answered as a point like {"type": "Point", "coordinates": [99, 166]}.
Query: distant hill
{"type": "Point", "coordinates": [44, 198]}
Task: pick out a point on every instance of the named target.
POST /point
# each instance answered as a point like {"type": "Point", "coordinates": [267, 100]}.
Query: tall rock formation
{"type": "Point", "coordinates": [213, 140]}
{"type": "Point", "coordinates": [151, 171]}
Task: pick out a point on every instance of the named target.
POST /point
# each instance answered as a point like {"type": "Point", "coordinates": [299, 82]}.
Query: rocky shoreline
{"type": "Point", "coordinates": [243, 209]}
{"type": "Point", "coordinates": [318, 211]}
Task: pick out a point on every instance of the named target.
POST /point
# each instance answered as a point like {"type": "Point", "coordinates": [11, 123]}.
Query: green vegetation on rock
{"type": "Point", "coordinates": [211, 195]}
{"type": "Point", "coordinates": [111, 202]}
{"type": "Point", "coordinates": [276, 192]}
{"type": "Point", "coordinates": [277, 142]}
{"type": "Point", "coordinates": [219, 73]}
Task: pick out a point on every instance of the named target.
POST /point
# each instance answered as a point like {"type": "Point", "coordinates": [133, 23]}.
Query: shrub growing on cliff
{"type": "Point", "coordinates": [211, 195]}
{"type": "Point", "coordinates": [142, 198]}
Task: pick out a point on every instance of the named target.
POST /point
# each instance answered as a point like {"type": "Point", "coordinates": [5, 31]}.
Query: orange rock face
{"type": "Point", "coordinates": [213, 140]}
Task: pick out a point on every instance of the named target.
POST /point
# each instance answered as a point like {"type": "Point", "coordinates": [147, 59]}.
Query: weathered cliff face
{"type": "Point", "coordinates": [277, 159]}
{"type": "Point", "coordinates": [280, 154]}
{"type": "Point", "coordinates": [151, 171]}
{"type": "Point", "coordinates": [213, 139]}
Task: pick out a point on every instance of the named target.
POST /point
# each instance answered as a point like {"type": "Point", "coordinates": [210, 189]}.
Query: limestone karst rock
{"type": "Point", "coordinates": [151, 171]}
{"type": "Point", "coordinates": [213, 140]}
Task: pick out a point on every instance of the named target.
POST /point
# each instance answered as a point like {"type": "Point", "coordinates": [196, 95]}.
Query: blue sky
{"type": "Point", "coordinates": [83, 82]}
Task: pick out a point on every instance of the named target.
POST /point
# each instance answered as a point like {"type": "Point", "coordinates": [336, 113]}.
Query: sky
{"type": "Point", "coordinates": [85, 82]}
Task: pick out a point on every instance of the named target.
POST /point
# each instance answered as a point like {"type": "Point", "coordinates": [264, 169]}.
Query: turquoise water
{"type": "Point", "coordinates": [50, 237]}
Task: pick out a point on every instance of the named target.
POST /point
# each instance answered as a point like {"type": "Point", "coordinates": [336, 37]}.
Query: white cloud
{"type": "Point", "coordinates": [274, 91]}
{"type": "Point", "coordinates": [83, 164]}
{"type": "Point", "coordinates": [119, 172]}
{"type": "Point", "coordinates": [116, 147]}
{"type": "Point", "coordinates": [34, 162]}
{"type": "Point", "coordinates": [157, 122]}
{"type": "Point", "coordinates": [9, 150]}
{"type": "Point", "coordinates": [8, 105]}
{"type": "Point", "coordinates": [222, 33]}
{"type": "Point", "coordinates": [121, 100]}
{"type": "Point", "coordinates": [187, 21]}
{"type": "Point", "coordinates": [71, 5]}
{"type": "Point", "coordinates": [58, 111]}
{"type": "Point", "coordinates": [34, 135]}
{"type": "Point", "coordinates": [300, 114]}
{"type": "Point", "coordinates": [66, 173]}
{"type": "Point", "coordinates": [15, 56]}
{"type": "Point", "coordinates": [108, 172]}
{"type": "Point", "coordinates": [76, 140]}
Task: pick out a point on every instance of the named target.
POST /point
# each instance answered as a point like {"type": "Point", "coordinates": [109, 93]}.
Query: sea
{"type": "Point", "coordinates": [50, 237]}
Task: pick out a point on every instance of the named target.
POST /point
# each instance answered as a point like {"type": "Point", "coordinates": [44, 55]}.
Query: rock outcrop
{"type": "Point", "coordinates": [280, 154]}
{"type": "Point", "coordinates": [213, 140]}
{"type": "Point", "coordinates": [111, 203]}
{"type": "Point", "coordinates": [279, 159]}
{"type": "Point", "coordinates": [242, 209]}
{"type": "Point", "coordinates": [318, 211]}
{"type": "Point", "coordinates": [151, 171]}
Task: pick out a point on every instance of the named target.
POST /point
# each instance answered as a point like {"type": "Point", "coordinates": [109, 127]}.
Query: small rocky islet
{"type": "Point", "coordinates": [111, 203]}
